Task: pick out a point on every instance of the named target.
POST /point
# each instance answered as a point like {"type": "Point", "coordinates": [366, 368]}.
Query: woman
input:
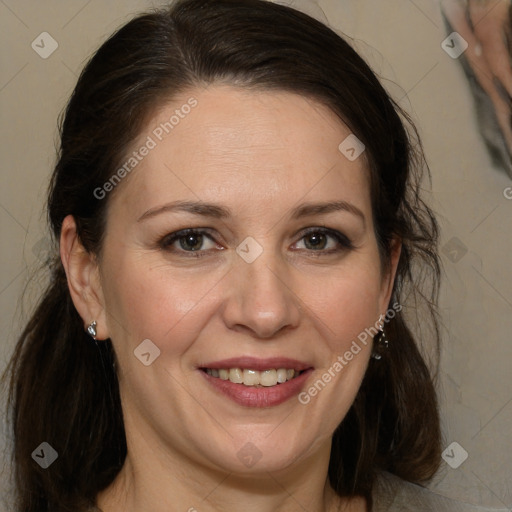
{"type": "Point", "coordinates": [237, 207]}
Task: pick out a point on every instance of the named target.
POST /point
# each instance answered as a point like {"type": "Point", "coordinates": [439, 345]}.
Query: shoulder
{"type": "Point", "coordinates": [392, 494]}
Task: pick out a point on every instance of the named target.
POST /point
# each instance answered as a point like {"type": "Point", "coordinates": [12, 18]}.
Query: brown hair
{"type": "Point", "coordinates": [64, 388]}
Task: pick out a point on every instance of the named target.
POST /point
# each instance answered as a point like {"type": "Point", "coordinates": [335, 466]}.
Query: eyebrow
{"type": "Point", "coordinates": [309, 209]}
{"type": "Point", "coordinates": [221, 212]}
{"type": "Point", "coordinates": [194, 207]}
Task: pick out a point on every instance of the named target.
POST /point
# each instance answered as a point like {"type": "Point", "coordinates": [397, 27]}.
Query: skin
{"type": "Point", "coordinates": [260, 154]}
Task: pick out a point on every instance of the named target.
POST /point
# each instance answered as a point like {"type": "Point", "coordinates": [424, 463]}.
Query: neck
{"type": "Point", "coordinates": [161, 480]}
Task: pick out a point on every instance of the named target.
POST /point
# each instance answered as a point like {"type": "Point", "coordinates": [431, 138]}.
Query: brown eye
{"type": "Point", "coordinates": [315, 241]}
{"type": "Point", "coordinates": [191, 242]}
{"type": "Point", "coordinates": [188, 241]}
{"type": "Point", "coordinates": [325, 240]}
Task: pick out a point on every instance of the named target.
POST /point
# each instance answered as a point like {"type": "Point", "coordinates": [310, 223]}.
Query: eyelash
{"type": "Point", "coordinates": [344, 243]}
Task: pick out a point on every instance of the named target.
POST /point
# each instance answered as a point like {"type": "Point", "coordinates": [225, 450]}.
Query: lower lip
{"type": "Point", "coordinates": [259, 397]}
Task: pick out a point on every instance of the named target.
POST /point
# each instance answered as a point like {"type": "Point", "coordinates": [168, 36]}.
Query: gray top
{"type": "Point", "coordinates": [392, 494]}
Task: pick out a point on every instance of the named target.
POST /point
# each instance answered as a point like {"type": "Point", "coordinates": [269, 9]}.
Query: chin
{"type": "Point", "coordinates": [257, 452]}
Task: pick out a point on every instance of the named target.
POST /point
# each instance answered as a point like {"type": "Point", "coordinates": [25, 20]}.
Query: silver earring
{"type": "Point", "coordinates": [91, 329]}
{"type": "Point", "coordinates": [380, 344]}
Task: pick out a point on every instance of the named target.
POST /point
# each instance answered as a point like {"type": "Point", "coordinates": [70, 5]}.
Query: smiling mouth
{"type": "Point", "coordinates": [254, 378]}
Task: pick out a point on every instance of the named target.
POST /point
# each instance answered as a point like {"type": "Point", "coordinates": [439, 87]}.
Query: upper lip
{"type": "Point", "coordinates": [253, 363]}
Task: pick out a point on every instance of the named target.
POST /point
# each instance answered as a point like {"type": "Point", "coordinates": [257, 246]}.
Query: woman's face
{"type": "Point", "coordinates": [281, 272]}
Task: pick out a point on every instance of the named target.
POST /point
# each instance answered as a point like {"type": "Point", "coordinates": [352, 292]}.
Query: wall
{"type": "Point", "coordinates": [401, 39]}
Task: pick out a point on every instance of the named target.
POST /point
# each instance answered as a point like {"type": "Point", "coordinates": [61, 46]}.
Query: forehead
{"type": "Point", "coordinates": [253, 148]}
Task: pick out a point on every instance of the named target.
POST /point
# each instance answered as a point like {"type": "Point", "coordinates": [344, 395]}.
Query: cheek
{"type": "Point", "coordinates": [347, 302]}
{"type": "Point", "coordinates": [145, 300]}
{"type": "Point", "coordinates": [347, 310]}
{"type": "Point", "coordinates": [346, 305]}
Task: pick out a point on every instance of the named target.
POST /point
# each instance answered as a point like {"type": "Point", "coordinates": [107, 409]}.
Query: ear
{"type": "Point", "coordinates": [83, 278]}
{"type": "Point", "coordinates": [388, 279]}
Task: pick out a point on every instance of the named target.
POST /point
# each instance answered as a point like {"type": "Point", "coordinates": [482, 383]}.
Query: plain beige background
{"type": "Point", "coordinates": [401, 39]}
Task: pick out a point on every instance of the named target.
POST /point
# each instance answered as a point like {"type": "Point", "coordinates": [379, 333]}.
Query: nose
{"type": "Point", "coordinates": [261, 298]}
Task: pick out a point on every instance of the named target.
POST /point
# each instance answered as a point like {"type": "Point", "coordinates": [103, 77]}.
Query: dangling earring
{"type": "Point", "coordinates": [91, 329]}
{"type": "Point", "coordinates": [380, 344]}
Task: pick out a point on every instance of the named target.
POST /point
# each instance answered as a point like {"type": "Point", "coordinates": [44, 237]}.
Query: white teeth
{"type": "Point", "coordinates": [251, 377]}
{"type": "Point", "coordinates": [248, 377]}
{"type": "Point", "coordinates": [282, 375]}
{"type": "Point", "coordinates": [236, 375]}
{"type": "Point", "coordinates": [268, 378]}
